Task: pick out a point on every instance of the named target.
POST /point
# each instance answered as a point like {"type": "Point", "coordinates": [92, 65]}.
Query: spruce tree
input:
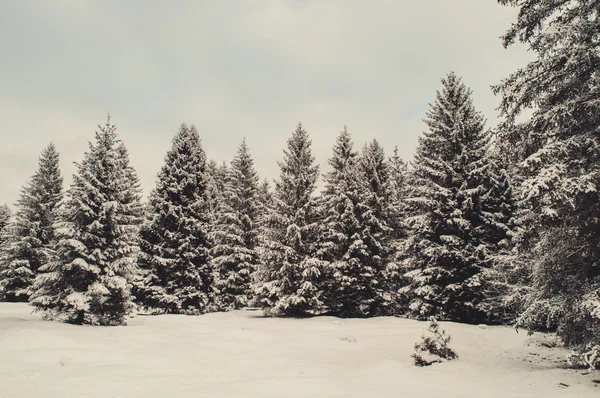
{"type": "Point", "coordinates": [348, 242]}
{"type": "Point", "coordinates": [236, 232]}
{"type": "Point", "coordinates": [381, 219]}
{"type": "Point", "coordinates": [289, 275]}
{"type": "Point", "coordinates": [90, 279]}
{"type": "Point", "coordinates": [558, 154]}
{"type": "Point", "coordinates": [174, 260]}
{"type": "Point", "coordinates": [451, 233]}
{"type": "Point", "coordinates": [31, 238]}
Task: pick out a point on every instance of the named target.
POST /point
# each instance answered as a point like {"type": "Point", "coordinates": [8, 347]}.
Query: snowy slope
{"type": "Point", "coordinates": [241, 354]}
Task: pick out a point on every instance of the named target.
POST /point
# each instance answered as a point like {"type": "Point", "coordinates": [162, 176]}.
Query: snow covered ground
{"type": "Point", "coordinates": [242, 354]}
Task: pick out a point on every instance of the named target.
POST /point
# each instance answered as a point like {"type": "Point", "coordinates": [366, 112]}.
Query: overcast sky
{"type": "Point", "coordinates": [235, 68]}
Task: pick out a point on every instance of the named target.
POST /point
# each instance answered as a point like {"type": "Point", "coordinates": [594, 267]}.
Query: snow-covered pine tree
{"type": "Point", "coordinates": [507, 279]}
{"type": "Point", "coordinates": [354, 271]}
{"type": "Point", "coordinates": [289, 276]}
{"type": "Point", "coordinates": [399, 185]}
{"type": "Point", "coordinates": [264, 196]}
{"type": "Point", "coordinates": [380, 216]}
{"type": "Point", "coordinates": [174, 259]}
{"type": "Point", "coordinates": [31, 237]}
{"type": "Point", "coordinates": [90, 280]}
{"type": "Point", "coordinates": [451, 211]}
{"type": "Point", "coordinates": [235, 234]}
{"type": "Point", "coordinates": [559, 154]}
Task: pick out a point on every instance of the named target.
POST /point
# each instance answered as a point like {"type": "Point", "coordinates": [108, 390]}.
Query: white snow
{"type": "Point", "coordinates": [241, 354]}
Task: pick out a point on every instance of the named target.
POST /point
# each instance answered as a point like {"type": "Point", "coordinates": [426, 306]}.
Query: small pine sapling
{"type": "Point", "coordinates": [433, 347]}
{"type": "Point", "coordinates": [589, 358]}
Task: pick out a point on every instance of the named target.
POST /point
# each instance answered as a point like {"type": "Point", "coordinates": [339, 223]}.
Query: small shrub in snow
{"type": "Point", "coordinates": [589, 358]}
{"type": "Point", "coordinates": [433, 347]}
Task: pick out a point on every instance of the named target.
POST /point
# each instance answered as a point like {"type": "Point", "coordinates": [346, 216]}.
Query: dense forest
{"type": "Point", "coordinates": [486, 224]}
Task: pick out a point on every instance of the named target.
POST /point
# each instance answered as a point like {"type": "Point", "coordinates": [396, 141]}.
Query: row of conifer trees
{"type": "Point", "coordinates": [480, 227]}
{"type": "Point", "coordinates": [379, 239]}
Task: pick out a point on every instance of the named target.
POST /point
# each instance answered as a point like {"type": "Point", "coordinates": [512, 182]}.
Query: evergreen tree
{"type": "Point", "coordinates": [290, 276]}
{"type": "Point", "coordinates": [349, 239]}
{"type": "Point", "coordinates": [558, 154]}
{"type": "Point", "coordinates": [236, 232]}
{"type": "Point", "coordinates": [383, 226]}
{"type": "Point", "coordinates": [174, 246]}
{"type": "Point", "coordinates": [90, 279]}
{"type": "Point", "coordinates": [31, 238]}
{"type": "Point", "coordinates": [507, 279]}
{"type": "Point", "coordinates": [452, 211]}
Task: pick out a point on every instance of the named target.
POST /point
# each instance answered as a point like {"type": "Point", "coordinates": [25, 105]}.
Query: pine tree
{"type": "Point", "coordinates": [381, 217]}
{"type": "Point", "coordinates": [236, 232]}
{"type": "Point", "coordinates": [174, 245]}
{"type": "Point", "coordinates": [90, 279]}
{"type": "Point", "coordinates": [290, 276]}
{"type": "Point", "coordinates": [506, 281]}
{"type": "Point", "coordinates": [451, 211]}
{"type": "Point", "coordinates": [558, 154]}
{"type": "Point", "coordinates": [31, 238]}
{"type": "Point", "coordinates": [349, 240]}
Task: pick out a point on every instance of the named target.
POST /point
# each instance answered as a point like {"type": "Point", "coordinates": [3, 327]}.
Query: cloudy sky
{"type": "Point", "coordinates": [235, 68]}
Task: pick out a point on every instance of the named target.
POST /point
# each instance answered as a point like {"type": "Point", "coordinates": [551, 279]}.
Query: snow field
{"type": "Point", "coordinates": [242, 354]}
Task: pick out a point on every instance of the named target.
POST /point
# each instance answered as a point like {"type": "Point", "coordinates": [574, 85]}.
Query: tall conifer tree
{"type": "Point", "coordinates": [289, 275]}
{"type": "Point", "coordinates": [90, 280]}
{"type": "Point", "coordinates": [176, 276]}
{"type": "Point", "coordinates": [451, 233]}
{"type": "Point", "coordinates": [349, 241]}
{"type": "Point", "coordinates": [235, 234]}
{"type": "Point", "coordinates": [558, 154]}
{"type": "Point", "coordinates": [31, 238]}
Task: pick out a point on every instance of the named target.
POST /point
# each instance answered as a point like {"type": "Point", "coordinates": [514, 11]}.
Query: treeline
{"type": "Point", "coordinates": [484, 225]}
